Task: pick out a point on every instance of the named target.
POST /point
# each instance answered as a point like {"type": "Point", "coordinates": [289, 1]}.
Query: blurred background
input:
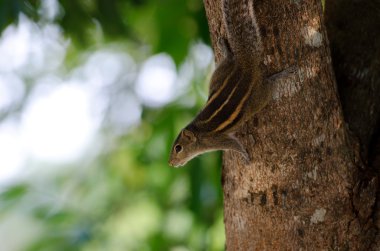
{"type": "Point", "coordinates": [92, 95]}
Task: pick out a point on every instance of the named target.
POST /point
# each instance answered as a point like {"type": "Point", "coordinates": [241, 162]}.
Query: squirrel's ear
{"type": "Point", "coordinates": [189, 135]}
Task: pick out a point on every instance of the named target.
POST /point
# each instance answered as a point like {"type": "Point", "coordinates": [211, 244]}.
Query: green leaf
{"type": "Point", "coordinates": [14, 192]}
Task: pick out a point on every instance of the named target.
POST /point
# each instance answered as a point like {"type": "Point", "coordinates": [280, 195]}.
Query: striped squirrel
{"type": "Point", "coordinates": [237, 89]}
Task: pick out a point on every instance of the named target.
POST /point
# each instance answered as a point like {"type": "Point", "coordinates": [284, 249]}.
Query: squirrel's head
{"type": "Point", "coordinates": [184, 148]}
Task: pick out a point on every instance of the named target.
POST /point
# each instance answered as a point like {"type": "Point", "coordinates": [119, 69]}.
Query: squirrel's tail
{"type": "Point", "coordinates": [243, 31]}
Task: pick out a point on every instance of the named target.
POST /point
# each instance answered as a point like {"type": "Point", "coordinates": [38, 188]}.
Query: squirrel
{"type": "Point", "coordinates": [237, 89]}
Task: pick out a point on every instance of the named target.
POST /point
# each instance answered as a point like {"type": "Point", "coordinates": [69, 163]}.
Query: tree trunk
{"type": "Point", "coordinates": [308, 186]}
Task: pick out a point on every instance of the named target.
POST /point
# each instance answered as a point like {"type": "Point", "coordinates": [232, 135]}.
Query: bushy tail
{"type": "Point", "coordinates": [243, 32]}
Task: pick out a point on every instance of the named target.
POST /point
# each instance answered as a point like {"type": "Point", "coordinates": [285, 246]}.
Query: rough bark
{"type": "Point", "coordinates": [354, 32]}
{"type": "Point", "coordinates": [307, 187]}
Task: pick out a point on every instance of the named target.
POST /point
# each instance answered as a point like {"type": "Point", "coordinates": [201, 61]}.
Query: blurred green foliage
{"type": "Point", "coordinates": [127, 198]}
{"type": "Point", "coordinates": [10, 9]}
{"type": "Point", "coordinates": [166, 25]}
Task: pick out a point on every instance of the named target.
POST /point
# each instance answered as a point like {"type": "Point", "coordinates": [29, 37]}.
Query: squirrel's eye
{"type": "Point", "coordinates": [178, 148]}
